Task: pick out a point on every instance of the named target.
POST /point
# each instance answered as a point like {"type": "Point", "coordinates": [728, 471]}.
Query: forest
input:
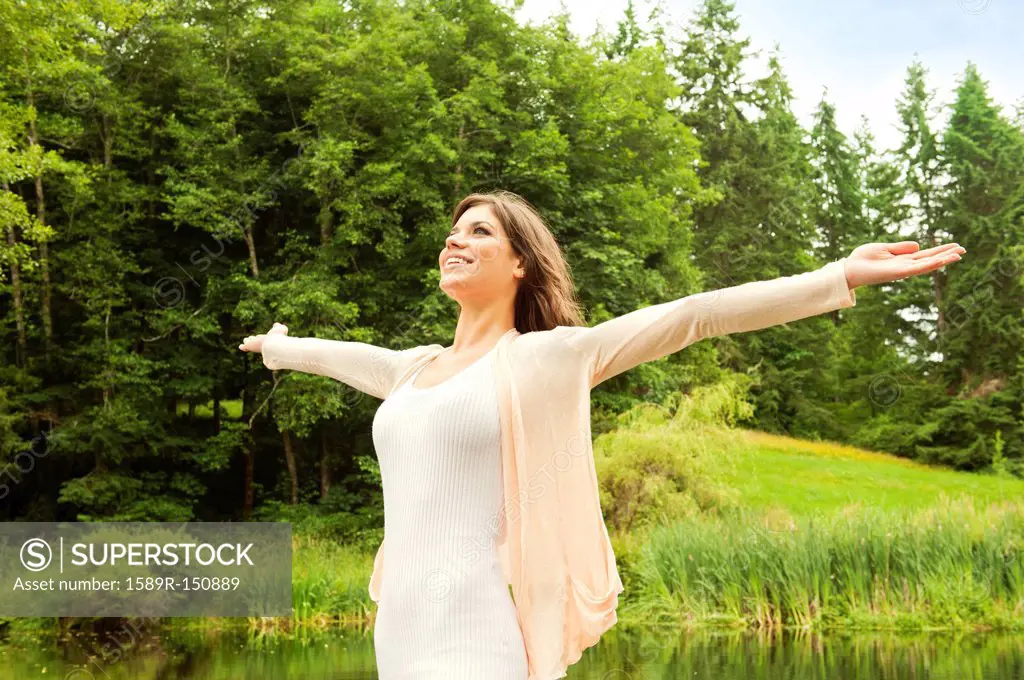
{"type": "Point", "coordinates": [177, 175]}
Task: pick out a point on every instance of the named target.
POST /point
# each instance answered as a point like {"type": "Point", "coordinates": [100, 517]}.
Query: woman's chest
{"type": "Point", "coordinates": [456, 420]}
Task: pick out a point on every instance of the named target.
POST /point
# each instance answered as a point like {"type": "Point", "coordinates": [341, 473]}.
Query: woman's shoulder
{"type": "Point", "coordinates": [554, 341]}
{"type": "Point", "coordinates": [411, 355]}
{"type": "Point", "coordinates": [418, 350]}
{"type": "Point", "coordinates": [399, 360]}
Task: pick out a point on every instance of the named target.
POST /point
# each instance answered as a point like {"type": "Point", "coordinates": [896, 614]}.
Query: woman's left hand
{"type": "Point", "coordinates": [874, 263]}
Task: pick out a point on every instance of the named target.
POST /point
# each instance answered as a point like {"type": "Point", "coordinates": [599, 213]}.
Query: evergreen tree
{"type": "Point", "coordinates": [918, 158]}
{"type": "Point", "coordinates": [839, 204]}
{"type": "Point", "coordinates": [755, 157]}
{"type": "Point", "coordinates": [983, 158]}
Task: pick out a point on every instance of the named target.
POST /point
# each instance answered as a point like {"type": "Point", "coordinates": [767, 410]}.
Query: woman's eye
{"type": "Point", "coordinates": [483, 229]}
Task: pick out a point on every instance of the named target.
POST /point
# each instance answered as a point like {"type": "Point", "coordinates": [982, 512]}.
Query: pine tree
{"type": "Point", "coordinates": [839, 205]}
{"type": "Point", "coordinates": [756, 158]}
{"type": "Point", "coordinates": [921, 177]}
{"type": "Point", "coordinates": [983, 156]}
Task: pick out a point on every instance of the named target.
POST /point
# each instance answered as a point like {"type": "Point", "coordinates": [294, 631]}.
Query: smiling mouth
{"type": "Point", "coordinates": [451, 263]}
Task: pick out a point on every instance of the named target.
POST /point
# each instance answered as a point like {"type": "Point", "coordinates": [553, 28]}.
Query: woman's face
{"type": "Point", "coordinates": [491, 266]}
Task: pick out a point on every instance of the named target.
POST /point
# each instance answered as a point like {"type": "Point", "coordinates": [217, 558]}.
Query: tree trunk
{"type": "Point", "coordinates": [44, 250]}
{"type": "Point", "coordinates": [325, 225]}
{"type": "Point", "coordinates": [107, 391]}
{"type": "Point", "coordinates": [21, 346]}
{"type": "Point", "coordinates": [251, 245]}
{"type": "Point", "coordinates": [108, 143]}
{"type": "Point", "coordinates": [248, 450]}
{"type": "Point", "coordinates": [247, 484]}
{"type": "Point", "coordinates": [458, 165]}
{"type": "Point", "coordinates": [293, 473]}
{"type": "Point", "coordinates": [247, 229]}
{"type": "Point", "coordinates": [325, 469]}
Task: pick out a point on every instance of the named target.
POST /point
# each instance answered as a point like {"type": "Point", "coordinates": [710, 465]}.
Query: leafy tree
{"type": "Point", "coordinates": [176, 175]}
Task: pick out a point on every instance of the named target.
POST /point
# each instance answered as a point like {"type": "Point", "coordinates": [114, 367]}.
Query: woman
{"type": "Point", "coordinates": [485, 448]}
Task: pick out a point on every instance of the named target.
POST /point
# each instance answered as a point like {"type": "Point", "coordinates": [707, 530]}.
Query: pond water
{"type": "Point", "coordinates": [347, 654]}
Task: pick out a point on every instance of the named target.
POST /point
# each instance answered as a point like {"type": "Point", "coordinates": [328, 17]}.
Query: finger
{"type": "Point", "coordinates": [936, 250]}
{"type": "Point", "coordinates": [933, 251]}
{"type": "Point", "coordinates": [902, 247]}
{"type": "Point", "coordinates": [937, 262]}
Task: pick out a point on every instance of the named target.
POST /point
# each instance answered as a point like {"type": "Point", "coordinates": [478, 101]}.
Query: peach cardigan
{"type": "Point", "coordinates": [552, 540]}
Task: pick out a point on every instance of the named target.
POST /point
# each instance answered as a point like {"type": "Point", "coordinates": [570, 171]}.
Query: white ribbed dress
{"type": "Point", "coordinates": [445, 611]}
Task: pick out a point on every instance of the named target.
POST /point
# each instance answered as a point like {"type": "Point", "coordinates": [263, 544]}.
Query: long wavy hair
{"type": "Point", "coordinates": [546, 296]}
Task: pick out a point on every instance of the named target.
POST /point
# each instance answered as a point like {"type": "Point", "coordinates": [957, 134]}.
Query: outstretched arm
{"type": "Point", "coordinates": [367, 368]}
{"type": "Point", "coordinates": [650, 333]}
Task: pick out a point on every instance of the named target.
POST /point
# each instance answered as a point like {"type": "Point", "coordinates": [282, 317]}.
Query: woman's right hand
{"type": "Point", "coordinates": [254, 343]}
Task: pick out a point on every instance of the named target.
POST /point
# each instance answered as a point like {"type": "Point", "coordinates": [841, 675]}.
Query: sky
{"type": "Point", "coordinates": [858, 49]}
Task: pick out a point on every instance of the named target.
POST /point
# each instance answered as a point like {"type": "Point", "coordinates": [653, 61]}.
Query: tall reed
{"type": "Point", "coordinates": [950, 566]}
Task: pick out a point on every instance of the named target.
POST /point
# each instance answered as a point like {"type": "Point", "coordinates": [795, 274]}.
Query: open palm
{"type": "Point", "coordinates": [874, 263]}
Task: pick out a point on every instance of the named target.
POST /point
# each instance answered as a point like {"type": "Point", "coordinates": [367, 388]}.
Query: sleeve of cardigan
{"type": "Point", "coordinates": [652, 332]}
{"type": "Point", "coordinates": [367, 368]}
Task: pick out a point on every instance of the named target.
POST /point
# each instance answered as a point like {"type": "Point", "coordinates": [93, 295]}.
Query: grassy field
{"type": "Point", "coordinates": [813, 478]}
{"type": "Point", "coordinates": [811, 535]}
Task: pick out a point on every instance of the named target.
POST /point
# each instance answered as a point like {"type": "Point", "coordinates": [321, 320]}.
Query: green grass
{"type": "Point", "coordinates": [819, 535]}
{"type": "Point", "coordinates": [231, 409]}
{"type": "Point", "coordinates": [329, 587]}
{"type": "Point", "coordinates": [329, 580]}
{"type": "Point", "coordinates": [813, 478]}
{"type": "Point", "coordinates": [954, 566]}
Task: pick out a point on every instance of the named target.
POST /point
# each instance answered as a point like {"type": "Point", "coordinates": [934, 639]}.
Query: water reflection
{"type": "Point", "coordinates": [622, 655]}
{"type": "Point", "coordinates": [804, 656]}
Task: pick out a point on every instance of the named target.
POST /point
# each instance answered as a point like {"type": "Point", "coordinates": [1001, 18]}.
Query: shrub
{"type": "Point", "coordinates": [657, 468]}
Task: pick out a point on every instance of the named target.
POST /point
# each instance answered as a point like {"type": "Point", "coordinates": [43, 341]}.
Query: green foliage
{"type": "Point", "coordinates": [175, 176]}
{"type": "Point", "coordinates": [341, 516]}
{"type": "Point", "coordinates": [655, 469]}
{"type": "Point", "coordinates": [142, 497]}
{"type": "Point", "coordinates": [969, 444]}
{"type": "Point", "coordinates": [724, 403]}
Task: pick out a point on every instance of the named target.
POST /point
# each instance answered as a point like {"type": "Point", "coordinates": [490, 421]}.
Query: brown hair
{"type": "Point", "coordinates": [546, 296]}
